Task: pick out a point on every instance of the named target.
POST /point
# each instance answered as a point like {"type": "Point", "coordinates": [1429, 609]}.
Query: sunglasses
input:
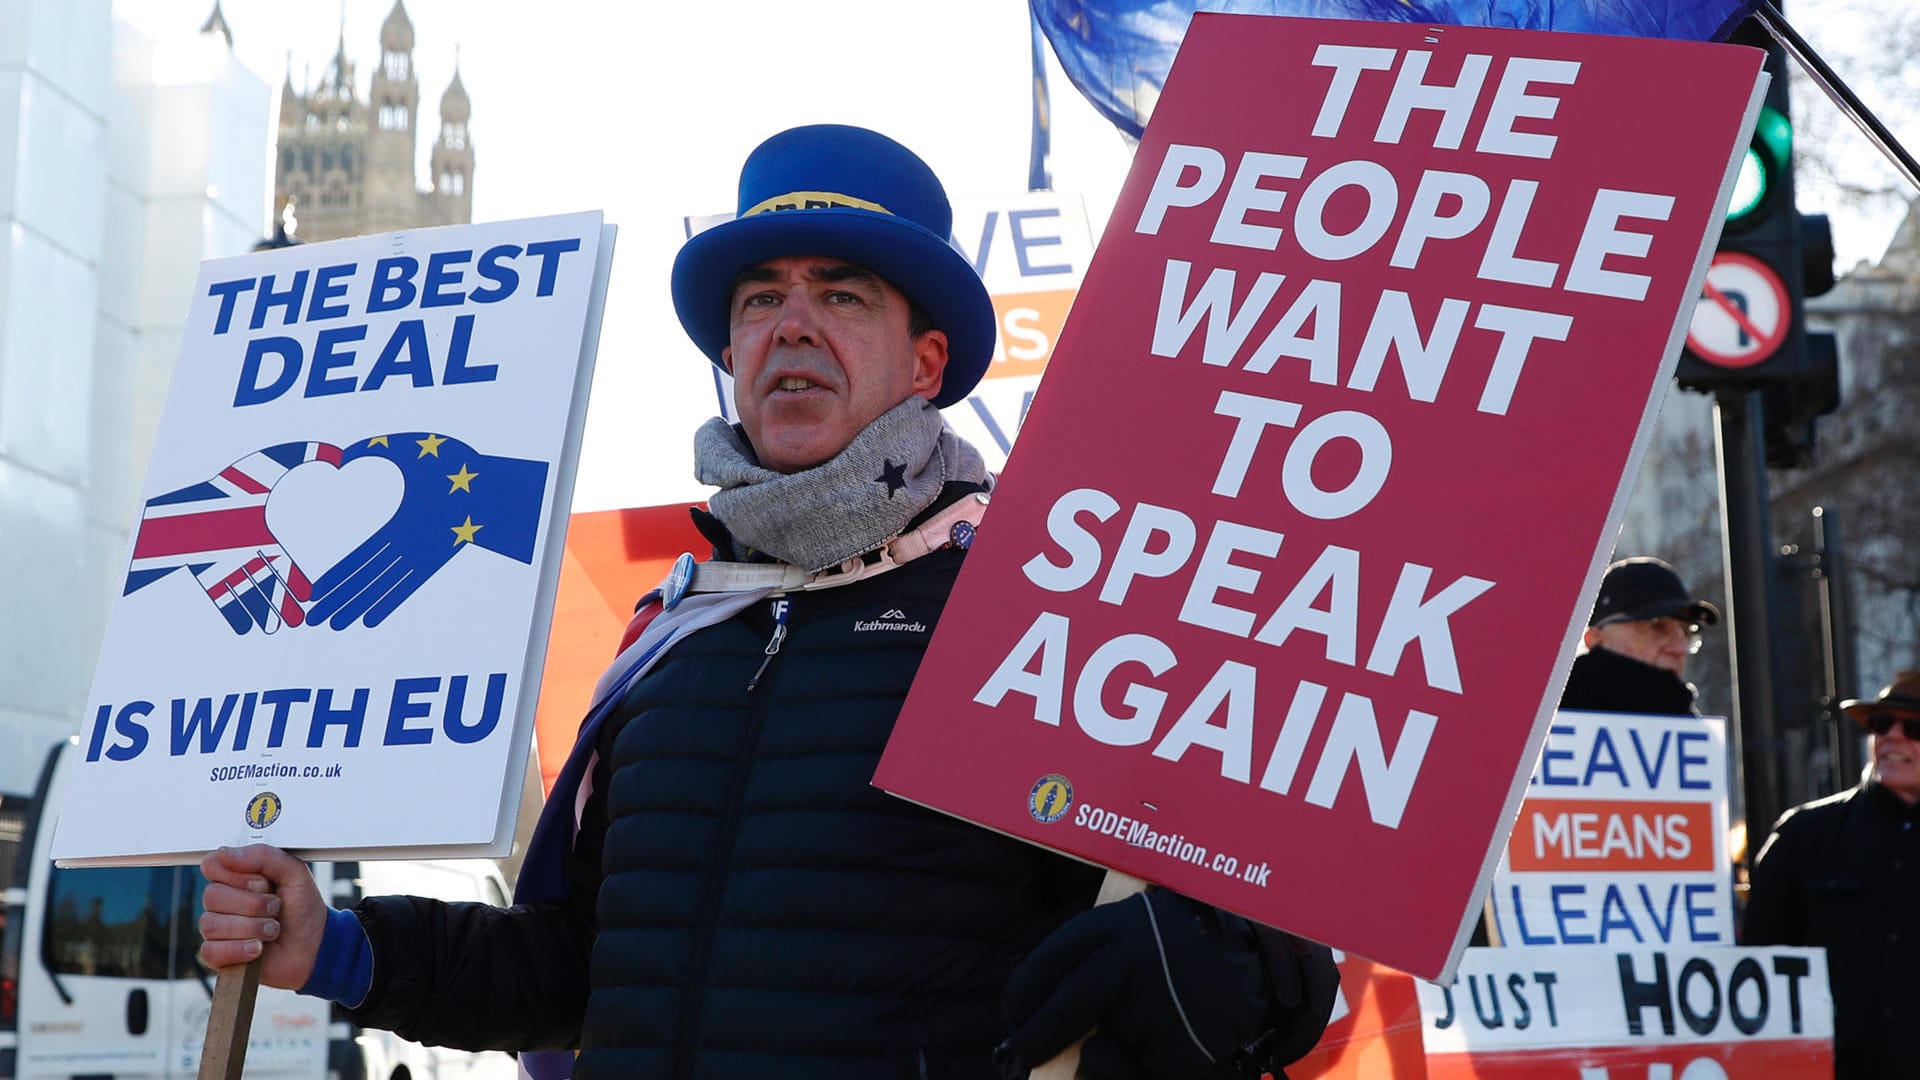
{"type": "Point", "coordinates": [1662, 626]}
{"type": "Point", "coordinates": [1881, 721]}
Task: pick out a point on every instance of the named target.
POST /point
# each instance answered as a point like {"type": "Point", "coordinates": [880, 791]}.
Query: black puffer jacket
{"type": "Point", "coordinates": [765, 911]}
{"type": "Point", "coordinates": [745, 903]}
{"type": "Point", "coordinates": [761, 909]}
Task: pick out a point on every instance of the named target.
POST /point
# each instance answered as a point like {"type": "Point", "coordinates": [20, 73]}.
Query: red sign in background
{"type": "Point", "coordinates": [1326, 465]}
{"type": "Point", "coordinates": [1744, 314]}
{"type": "Point", "coordinates": [613, 558]}
{"type": "Point", "coordinates": [1375, 1030]}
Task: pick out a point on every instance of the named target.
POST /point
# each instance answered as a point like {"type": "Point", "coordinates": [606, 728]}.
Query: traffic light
{"type": "Point", "coordinates": [1749, 328]}
{"type": "Point", "coordinates": [1789, 407]}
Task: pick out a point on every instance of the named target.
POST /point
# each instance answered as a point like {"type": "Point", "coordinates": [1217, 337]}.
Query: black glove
{"type": "Point", "coordinates": [1175, 987]}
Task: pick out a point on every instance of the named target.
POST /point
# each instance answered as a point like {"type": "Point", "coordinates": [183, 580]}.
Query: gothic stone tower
{"type": "Point", "coordinates": [347, 165]}
{"type": "Point", "coordinates": [453, 154]}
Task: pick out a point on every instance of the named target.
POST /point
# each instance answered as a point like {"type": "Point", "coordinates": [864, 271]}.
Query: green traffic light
{"type": "Point", "coordinates": [1749, 188]}
{"type": "Point", "coordinates": [1770, 152]}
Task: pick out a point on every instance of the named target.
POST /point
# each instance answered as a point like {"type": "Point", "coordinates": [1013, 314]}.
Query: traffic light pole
{"type": "Point", "coordinates": [1837, 90]}
{"type": "Point", "coordinates": [1747, 548]}
{"type": "Point", "coordinates": [1838, 673]}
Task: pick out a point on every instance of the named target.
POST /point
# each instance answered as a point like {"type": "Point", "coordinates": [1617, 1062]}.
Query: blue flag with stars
{"type": "Point", "coordinates": [1117, 52]}
{"type": "Point", "coordinates": [454, 498]}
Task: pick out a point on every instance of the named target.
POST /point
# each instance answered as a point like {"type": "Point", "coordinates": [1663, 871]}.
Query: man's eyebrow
{"type": "Point", "coordinates": [752, 274]}
{"type": "Point", "coordinates": [844, 272]}
{"type": "Point", "coordinates": [840, 273]}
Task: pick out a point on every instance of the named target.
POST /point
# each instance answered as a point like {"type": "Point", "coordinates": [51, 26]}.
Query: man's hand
{"type": "Point", "coordinates": [1174, 987]}
{"type": "Point", "coordinates": [261, 900]}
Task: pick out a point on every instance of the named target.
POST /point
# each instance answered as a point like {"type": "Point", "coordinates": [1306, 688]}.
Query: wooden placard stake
{"type": "Point", "coordinates": [223, 1056]}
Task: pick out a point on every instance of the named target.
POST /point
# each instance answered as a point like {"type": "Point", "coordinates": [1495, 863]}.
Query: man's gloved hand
{"type": "Point", "coordinates": [1173, 986]}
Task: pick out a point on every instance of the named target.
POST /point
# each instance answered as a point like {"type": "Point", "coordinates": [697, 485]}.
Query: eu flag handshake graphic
{"type": "Point", "coordinates": [449, 497]}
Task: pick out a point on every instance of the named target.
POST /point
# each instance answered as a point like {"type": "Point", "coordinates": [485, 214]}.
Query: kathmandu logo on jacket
{"type": "Point", "coordinates": [893, 619]}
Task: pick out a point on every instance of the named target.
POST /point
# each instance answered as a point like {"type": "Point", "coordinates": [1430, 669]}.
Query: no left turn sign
{"type": "Point", "coordinates": [1742, 315]}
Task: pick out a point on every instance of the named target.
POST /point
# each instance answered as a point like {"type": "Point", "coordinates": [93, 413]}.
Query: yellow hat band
{"type": "Point", "coordinates": [813, 200]}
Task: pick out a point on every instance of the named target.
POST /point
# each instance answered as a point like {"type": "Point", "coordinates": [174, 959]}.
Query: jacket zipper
{"type": "Point", "coordinates": [723, 863]}
{"type": "Point", "coordinates": [780, 609]}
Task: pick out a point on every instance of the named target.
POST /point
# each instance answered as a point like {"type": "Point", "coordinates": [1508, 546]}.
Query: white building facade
{"type": "Point", "coordinates": [124, 162]}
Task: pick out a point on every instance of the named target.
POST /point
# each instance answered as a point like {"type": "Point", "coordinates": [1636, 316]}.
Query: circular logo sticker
{"type": "Point", "coordinates": [1050, 798]}
{"type": "Point", "coordinates": [674, 589]}
{"type": "Point", "coordinates": [263, 810]}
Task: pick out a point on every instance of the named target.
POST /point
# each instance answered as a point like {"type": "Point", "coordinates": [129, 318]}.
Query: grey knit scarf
{"type": "Point", "coordinates": [847, 505]}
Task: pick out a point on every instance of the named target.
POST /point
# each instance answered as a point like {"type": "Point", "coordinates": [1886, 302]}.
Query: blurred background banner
{"type": "Point", "coordinates": [1375, 1029]}
{"type": "Point", "coordinates": [1622, 838]}
{"type": "Point", "coordinates": [1117, 52]}
{"type": "Point", "coordinates": [613, 558]}
{"type": "Point", "coordinates": [1598, 1012]}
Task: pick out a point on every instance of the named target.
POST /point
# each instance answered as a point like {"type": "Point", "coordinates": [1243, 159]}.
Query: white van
{"type": "Point", "coordinates": [99, 972]}
{"type": "Point", "coordinates": [382, 1055]}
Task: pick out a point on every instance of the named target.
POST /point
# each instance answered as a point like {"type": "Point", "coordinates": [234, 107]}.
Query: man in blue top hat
{"type": "Point", "coordinates": [715, 888]}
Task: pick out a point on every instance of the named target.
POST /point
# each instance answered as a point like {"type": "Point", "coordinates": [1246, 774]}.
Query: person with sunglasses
{"type": "Point", "coordinates": [1843, 873]}
{"type": "Point", "coordinates": [1633, 654]}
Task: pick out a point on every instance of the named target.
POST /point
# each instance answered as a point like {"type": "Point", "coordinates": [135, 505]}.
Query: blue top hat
{"type": "Point", "coordinates": [842, 193]}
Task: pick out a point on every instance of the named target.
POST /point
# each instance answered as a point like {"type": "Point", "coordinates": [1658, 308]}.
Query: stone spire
{"type": "Point", "coordinates": [217, 24]}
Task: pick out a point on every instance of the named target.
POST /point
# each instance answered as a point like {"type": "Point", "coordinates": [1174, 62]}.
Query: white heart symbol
{"type": "Point", "coordinates": [319, 513]}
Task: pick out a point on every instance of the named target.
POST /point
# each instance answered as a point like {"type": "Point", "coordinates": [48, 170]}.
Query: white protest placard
{"type": "Point", "coordinates": [1613, 1014]}
{"type": "Point", "coordinates": [1031, 249]}
{"type": "Point", "coordinates": [337, 594]}
{"type": "Point", "coordinates": [1622, 838]}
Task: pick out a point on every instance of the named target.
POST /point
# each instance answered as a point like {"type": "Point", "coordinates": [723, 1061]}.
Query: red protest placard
{"type": "Point", "coordinates": [1286, 568]}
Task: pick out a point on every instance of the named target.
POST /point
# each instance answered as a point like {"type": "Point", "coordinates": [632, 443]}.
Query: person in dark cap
{"type": "Point", "coordinates": [1843, 873]}
{"type": "Point", "coordinates": [1633, 653]}
{"type": "Point", "coordinates": [1633, 658]}
{"type": "Point", "coordinates": [715, 888]}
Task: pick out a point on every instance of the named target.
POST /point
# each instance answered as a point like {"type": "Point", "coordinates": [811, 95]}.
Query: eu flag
{"type": "Point", "coordinates": [1117, 52]}
{"type": "Point", "coordinates": [455, 498]}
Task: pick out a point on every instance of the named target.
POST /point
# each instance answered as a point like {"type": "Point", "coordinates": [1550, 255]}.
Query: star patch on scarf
{"type": "Point", "coordinates": [894, 476]}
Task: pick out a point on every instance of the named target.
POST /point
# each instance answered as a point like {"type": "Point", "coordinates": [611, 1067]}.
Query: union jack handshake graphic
{"type": "Point", "coordinates": [453, 497]}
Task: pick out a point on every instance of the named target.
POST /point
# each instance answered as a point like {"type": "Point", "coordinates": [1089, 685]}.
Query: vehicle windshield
{"type": "Point", "coordinates": [132, 922]}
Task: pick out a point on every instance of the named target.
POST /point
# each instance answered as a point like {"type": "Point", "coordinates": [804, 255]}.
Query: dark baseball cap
{"type": "Point", "coordinates": [1647, 588]}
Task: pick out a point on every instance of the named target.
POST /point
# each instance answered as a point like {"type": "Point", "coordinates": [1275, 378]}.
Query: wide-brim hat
{"type": "Point", "coordinates": [1647, 588]}
{"type": "Point", "coordinates": [1902, 693]}
{"type": "Point", "coordinates": [843, 193]}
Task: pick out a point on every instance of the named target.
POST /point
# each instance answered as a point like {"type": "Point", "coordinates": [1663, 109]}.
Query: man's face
{"type": "Point", "coordinates": [819, 348]}
{"type": "Point", "coordinates": [1896, 759]}
{"type": "Point", "coordinates": [1664, 642]}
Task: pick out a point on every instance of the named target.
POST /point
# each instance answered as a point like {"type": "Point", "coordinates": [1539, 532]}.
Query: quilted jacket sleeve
{"type": "Point", "coordinates": [478, 977]}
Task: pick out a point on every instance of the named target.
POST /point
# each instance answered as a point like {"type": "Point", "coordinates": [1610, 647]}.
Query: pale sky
{"type": "Point", "coordinates": [645, 111]}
